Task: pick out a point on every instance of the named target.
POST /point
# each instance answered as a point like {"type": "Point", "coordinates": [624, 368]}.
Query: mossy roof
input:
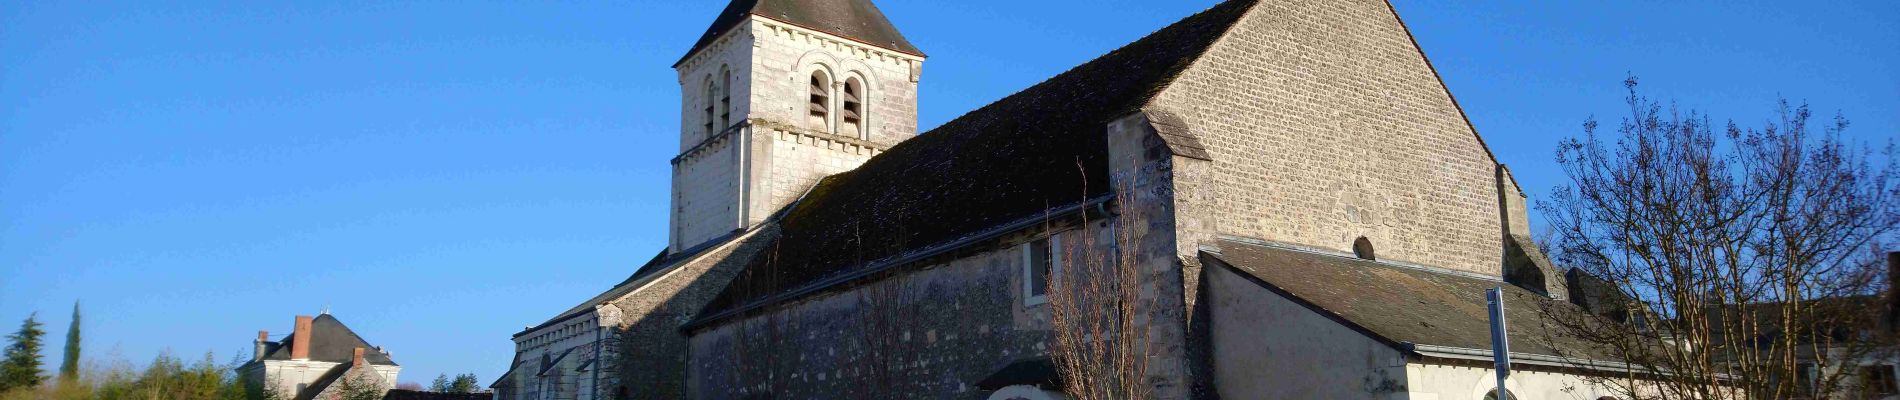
{"type": "Point", "coordinates": [1042, 147]}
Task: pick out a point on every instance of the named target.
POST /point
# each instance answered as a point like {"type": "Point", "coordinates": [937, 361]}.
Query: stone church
{"type": "Point", "coordinates": [1309, 212]}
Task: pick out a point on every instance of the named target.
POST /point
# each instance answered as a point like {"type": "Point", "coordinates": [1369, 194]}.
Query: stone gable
{"type": "Point", "coordinates": [1325, 123]}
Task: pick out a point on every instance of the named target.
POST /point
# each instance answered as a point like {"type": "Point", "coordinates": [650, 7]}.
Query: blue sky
{"type": "Point", "coordinates": [440, 174]}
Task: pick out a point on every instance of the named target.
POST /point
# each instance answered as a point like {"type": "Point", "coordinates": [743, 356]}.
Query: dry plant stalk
{"type": "Point", "coordinates": [1099, 316]}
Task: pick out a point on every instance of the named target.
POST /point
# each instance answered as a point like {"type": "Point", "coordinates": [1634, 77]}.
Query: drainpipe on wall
{"type": "Point", "coordinates": [597, 356]}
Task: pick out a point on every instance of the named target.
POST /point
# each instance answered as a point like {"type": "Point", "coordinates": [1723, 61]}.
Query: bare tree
{"type": "Point", "coordinates": [1739, 258]}
{"type": "Point", "coordinates": [1098, 315]}
{"type": "Point", "coordinates": [884, 308]}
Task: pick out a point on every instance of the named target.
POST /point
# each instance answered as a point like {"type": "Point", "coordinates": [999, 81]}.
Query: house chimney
{"type": "Point", "coordinates": [300, 347]}
{"type": "Point", "coordinates": [263, 338]}
{"type": "Point", "coordinates": [356, 357]}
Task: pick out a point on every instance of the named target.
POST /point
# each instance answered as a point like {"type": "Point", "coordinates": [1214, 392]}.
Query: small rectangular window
{"type": "Point", "coordinates": [1040, 258]}
{"type": "Point", "coordinates": [1805, 378]}
{"type": "Point", "coordinates": [1878, 380]}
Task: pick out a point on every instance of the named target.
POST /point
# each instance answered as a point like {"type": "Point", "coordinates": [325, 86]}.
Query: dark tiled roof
{"type": "Point", "coordinates": [331, 341]}
{"type": "Point", "coordinates": [1404, 305]}
{"type": "Point", "coordinates": [620, 289]}
{"type": "Point", "coordinates": [857, 20]}
{"type": "Point", "coordinates": [1042, 147]}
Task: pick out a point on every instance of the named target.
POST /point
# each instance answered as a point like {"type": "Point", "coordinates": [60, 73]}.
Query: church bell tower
{"type": "Point", "coordinates": [777, 95]}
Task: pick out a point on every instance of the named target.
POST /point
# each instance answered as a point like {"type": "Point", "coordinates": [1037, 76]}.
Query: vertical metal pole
{"type": "Point", "coordinates": [1500, 340]}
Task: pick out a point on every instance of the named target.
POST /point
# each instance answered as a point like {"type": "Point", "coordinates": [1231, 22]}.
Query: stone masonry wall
{"type": "Point", "coordinates": [706, 192]}
{"type": "Point", "coordinates": [1326, 124]}
{"type": "Point", "coordinates": [936, 329]}
{"type": "Point", "coordinates": [784, 57]}
{"type": "Point", "coordinates": [795, 159]}
{"type": "Point", "coordinates": [646, 350]}
{"type": "Point", "coordinates": [737, 175]}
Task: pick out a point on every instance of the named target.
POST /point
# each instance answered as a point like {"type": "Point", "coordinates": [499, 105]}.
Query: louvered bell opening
{"type": "Point", "coordinates": [818, 105]}
{"type": "Point", "coordinates": [851, 104]}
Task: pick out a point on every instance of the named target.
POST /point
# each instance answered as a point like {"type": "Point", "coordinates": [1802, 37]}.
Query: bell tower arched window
{"type": "Point", "coordinates": [820, 104]}
{"type": "Point", "coordinates": [853, 112]}
{"type": "Point", "coordinates": [725, 98]}
{"type": "Point", "coordinates": [711, 90]}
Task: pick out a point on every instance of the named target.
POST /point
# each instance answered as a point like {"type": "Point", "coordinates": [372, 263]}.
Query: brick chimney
{"type": "Point", "coordinates": [263, 338]}
{"type": "Point", "coordinates": [356, 357]}
{"type": "Point", "coordinates": [300, 348]}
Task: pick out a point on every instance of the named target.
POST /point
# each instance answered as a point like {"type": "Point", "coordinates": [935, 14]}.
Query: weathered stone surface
{"type": "Point", "coordinates": [1325, 124]}
{"type": "Point", "coordinates": [759, 149]}
{"type": "Point", "coordinates": [928, 331]}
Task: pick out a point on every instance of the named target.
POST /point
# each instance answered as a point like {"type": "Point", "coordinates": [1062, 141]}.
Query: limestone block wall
{"type": "Point", "coordinates": [747, 166]}
{"type": "Point", "coordinates": [797, 158]}
{"type": "Point", "coordinates": [1268, 347]}
{"type": "Point", "coordinates": [1474, 381]}
{"type": "Point", "coordinates": [706, 191]}
{"type": "Point", "coordinates": [927, 332]}
{"type": "Point", "coordinates": [784, 57]}
{"type": "Point", "coordinates": [578, 337]}
{"type": "Point", "coordinates": [1326, 124]}
{"type": "Point", "coordinates": [731, 53]}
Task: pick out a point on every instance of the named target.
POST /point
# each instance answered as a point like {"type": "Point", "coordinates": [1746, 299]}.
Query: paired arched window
{"type": "Point", "coordinates": [820, 102]}
{"type": "Point", "coordinates": [853, 113]}
{"type": "Point", "coordinates": [837, 107]}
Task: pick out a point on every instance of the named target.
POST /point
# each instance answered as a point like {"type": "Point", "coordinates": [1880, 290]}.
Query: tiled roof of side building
{"type": "Point", "coordinates": [1406, 305]}
{"type": "Point", "coordinates": [331, 341]}
{"type": "Point", "coordinates": [857, 20]}
{"type": "Point", "coordinates": [1039, 148]}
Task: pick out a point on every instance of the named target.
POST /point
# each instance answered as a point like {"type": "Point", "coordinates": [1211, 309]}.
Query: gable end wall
{"type": "Point", "coordinates": [1325, 123]}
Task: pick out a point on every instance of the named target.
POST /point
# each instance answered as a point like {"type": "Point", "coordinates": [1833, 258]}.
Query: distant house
{"type": "Point", "coordinates": [321, 359]}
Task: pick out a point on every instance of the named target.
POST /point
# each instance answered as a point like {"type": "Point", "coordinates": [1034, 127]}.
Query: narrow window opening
{"type": "Point", "coordinates": [1041, 257]}
{"type": "Point", "coordinates": [1362, 248]}
{"type": "Point", "coordinates": [820, 104]}
{"type": "Point", "coordinates": [1878, 380]}
{"type": "Point", "coordinates": [853, 112]}
{"type": "Point", "coordinates": [725, 99]}
{"type": "Point", "coordinates": [707, 127]}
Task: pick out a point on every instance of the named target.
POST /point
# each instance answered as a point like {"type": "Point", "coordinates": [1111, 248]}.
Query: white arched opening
{"type": "Point", "coordinates": [1026, 392]}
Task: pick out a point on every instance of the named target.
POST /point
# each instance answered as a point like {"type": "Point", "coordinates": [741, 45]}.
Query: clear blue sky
{"type": "Point", "coordinates": [440, 174]}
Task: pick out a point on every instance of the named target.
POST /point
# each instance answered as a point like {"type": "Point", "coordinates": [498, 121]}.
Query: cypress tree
{"type": "Point", "coordinates": [69, 367]}
{"type": "Point", "coordinates": [20, 367]}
